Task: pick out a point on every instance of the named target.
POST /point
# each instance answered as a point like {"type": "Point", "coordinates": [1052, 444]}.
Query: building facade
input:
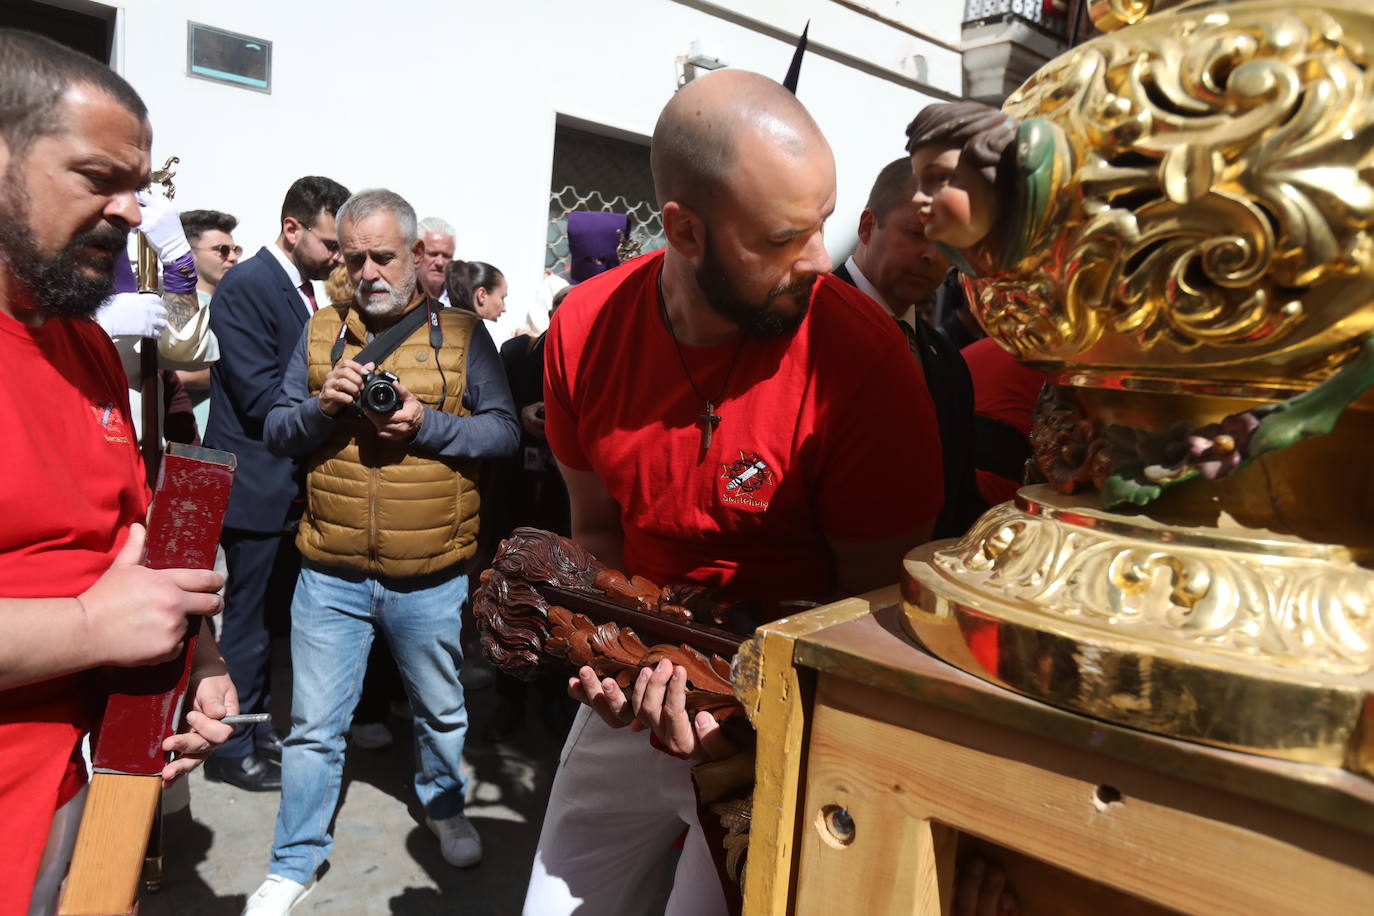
{"type": "Point", "coordinates": [457, 105]}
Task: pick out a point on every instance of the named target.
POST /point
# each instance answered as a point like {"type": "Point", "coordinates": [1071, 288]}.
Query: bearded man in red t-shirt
{"type": "Point", "coordinates": [74, 146]}
{"type": "Point", "coordinates": [726, 413]}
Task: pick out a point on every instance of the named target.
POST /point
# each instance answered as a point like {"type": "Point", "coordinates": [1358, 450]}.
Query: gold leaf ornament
{"type": "Point", "coordinates": [1218, 207]}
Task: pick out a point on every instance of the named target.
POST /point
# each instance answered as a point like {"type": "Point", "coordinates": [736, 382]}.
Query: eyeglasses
{"type": "Point", "coordinates": [330, 245]}
{"type": "Point", "coordinates": [223, 250]}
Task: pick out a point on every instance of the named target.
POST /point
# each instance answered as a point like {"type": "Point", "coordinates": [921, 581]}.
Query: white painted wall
{"type": "Point", "coordinates": [453, 104]}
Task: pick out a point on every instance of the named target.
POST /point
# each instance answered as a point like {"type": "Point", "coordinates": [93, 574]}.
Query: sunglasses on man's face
{"type": "Point", "coordinates": [223, 250]}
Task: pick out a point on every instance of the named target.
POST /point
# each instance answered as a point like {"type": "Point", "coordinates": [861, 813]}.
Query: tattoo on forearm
{"type": "Point", "coordinates": [181, 308]}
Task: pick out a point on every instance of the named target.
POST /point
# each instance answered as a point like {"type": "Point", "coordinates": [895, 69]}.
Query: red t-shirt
{"type": "Point", "coordinates": [72, 483]}
{"type": "Point", "coordinates": [1003, 390]}
{"type": "Point", "coordinates": [825, 433]}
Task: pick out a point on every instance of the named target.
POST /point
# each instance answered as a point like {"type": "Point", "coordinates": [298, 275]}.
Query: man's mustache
{"type": "Point", "coordinates": [799, 286]}
{"type": "Point", "coordinates": [104, 236]}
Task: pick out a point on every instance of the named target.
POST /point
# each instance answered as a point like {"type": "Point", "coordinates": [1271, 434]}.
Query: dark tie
{"type": "Point", "coordinates": [309, 289]}
{"type": "Point", "coordinates": [913, 342]}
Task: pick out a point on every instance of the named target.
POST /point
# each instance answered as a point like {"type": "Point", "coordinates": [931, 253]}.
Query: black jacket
{"type": "Point", "coordinates": [257, 317]}
{"type": "Point", "coordinates": [951, 389]}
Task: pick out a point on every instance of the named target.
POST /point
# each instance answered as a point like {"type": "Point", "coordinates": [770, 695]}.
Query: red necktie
{"type": "Point", "coordinates": [309, 289]}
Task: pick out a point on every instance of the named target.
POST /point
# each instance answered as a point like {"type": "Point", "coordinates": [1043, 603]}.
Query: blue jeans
{"type": "Point", "coordinates": [334, 615]}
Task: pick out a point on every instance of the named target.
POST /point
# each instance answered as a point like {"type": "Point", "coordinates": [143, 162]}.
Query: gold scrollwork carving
{"type": "Point", "coordinates": [1110, 15]}
{"type": "Point", "coordinates": [1222, 188]}
{"type": "Point", "coordinates": [1304, 611]}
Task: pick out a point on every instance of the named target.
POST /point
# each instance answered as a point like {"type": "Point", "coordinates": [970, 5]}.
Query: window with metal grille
{"type": "Point", "coordinates": [596, 172]}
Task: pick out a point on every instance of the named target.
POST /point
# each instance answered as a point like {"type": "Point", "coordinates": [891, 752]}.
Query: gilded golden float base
{"type": "Point", "coordinates": [1230, 636]}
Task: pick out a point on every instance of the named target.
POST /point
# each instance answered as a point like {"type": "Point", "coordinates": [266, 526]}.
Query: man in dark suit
{"type": "Point", "coordinates": [257, 315]}
{"type": "Point", "coordinates": [896, 265]}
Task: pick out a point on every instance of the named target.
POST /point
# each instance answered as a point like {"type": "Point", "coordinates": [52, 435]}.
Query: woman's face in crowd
{"type": "Point", "coordinates": [490, 304]}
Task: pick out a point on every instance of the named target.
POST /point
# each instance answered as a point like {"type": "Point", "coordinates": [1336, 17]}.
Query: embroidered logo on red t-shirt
{"type": "Point", "coordinates": [748, 481]}
{"type": "Point", "coordinates": [111, 421]}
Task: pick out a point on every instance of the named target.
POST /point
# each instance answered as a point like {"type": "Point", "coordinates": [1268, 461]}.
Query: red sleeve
{"type": "Point", "coordinates": [560, 412]}
{"type": "Point", "coordinates": [1003, 389]}
{"type": "Point", "coordinates": [883, 472]}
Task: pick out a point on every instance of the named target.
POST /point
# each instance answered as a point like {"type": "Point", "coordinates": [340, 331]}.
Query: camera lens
{"type": "Point", "coordinates": [380, 396]}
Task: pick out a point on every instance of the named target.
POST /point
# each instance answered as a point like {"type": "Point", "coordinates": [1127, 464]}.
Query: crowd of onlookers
{"type": "Point", "coordinates": [983, 402]}
{"type": "Point", "coordinates": [385, 443]}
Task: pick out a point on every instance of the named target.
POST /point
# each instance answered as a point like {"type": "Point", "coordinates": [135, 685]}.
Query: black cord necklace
{"type": "Point", "coordinates": [708, 419]}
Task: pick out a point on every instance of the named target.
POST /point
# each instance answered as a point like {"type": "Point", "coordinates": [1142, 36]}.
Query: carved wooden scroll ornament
{"type": "Point", "coordinates": [545, 600]}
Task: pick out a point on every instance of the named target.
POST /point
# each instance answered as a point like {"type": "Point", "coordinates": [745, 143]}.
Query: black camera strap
{"type": "Point", "coordinates": [382, 346]}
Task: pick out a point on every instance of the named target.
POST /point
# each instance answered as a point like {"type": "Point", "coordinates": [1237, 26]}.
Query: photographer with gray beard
{"type": "Point", "coordinates": [390, 402]}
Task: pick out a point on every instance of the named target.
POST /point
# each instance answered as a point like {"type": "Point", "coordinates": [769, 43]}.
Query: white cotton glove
{"type": "Point", "coordinates": [162, 226]}
{"type": "Point", "coordinates": [133, 315]}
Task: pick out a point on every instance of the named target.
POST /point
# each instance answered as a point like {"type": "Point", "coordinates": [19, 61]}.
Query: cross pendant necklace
{"type": "Point", "coordinates": [708, 420]}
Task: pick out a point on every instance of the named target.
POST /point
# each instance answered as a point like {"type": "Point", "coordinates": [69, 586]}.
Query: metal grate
{"type": "Point", "coordinates": [646, 223]}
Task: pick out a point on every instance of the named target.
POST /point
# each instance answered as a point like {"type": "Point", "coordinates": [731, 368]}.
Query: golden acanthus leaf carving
{"type": "Point", "coordinates": [736, 818]}
{"type": "Point", "coordinates": [1288, 610]}
{"type": "Point", "coordinates": [1110, 15]}
{"type": "Point", "coordinates": [1222, 187]}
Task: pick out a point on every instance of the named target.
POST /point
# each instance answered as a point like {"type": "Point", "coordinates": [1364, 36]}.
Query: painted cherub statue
{"type": "Point", "coordinates": [983, 181]}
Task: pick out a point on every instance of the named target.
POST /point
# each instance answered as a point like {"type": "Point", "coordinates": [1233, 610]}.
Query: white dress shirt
{"type": "Point", "coordinates": [294, 274]}
{"type": "Point", "coordinates": [869, 290]}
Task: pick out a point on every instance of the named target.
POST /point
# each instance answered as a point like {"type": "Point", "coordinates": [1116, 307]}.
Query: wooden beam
{"type": "Point", "coordinates": [776, 696]}
{"type": "Point", "coordinates": [108, 857]}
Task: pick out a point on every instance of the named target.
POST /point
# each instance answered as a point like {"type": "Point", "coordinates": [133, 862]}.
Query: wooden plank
{"type": "Point", "coordinates": [874, 650]}
{"type": "Point", "coordinates": [890, 865]}
{"type": "Point", "coordinates": [776, 697]}
{"type": "Point", "coordinates": [143, 704]}
{"type": "Point", "coordinates": [1050, 889]}
{"type": "Point", "coordinates": [110, 845]}
{"type": "Point", "coordinates": [1145, 834]}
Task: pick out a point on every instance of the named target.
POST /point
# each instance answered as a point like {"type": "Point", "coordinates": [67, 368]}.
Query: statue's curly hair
{"type": "Point", "coordinates": [981, 132]}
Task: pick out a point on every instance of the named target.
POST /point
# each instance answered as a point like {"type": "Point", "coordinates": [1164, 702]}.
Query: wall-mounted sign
{"type": "Point", "coordinates": [228, 57]}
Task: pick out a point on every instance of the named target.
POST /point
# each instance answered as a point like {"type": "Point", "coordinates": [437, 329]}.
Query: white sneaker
{"type": "Point", "coordinates": [371, 736]}
{"type": "Point", "coordinates": [458, 840]}
{"type": "Point", "coordinates": [277, 896]}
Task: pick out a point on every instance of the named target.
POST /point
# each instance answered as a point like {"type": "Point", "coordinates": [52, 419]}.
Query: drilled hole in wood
{"type": "Point", "coordinates": [836, 826]}
{"type": "Point", "coordinates": [1105, 796]}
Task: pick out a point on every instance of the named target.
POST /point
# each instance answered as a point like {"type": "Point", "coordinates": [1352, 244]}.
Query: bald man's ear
{"type": "Point", "coordinates": [684, 229]}
{"type": "Point", "coordinates": [868, 221]}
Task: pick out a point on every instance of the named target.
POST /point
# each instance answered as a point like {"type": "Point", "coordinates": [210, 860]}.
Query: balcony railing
{"type": "Point", "coordinates": [1032, 12]}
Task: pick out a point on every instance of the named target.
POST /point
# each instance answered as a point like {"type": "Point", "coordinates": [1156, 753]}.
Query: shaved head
{"type": "Point", "coordinates": [712, 122]}
{"type": "Point", "coordinates": [745, 182]}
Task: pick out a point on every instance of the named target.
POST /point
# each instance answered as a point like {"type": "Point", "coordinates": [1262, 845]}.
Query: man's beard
{"type": "Point", "coordinates": [756, 319]}
{"type": "Point", "coordinates": [311, 269]}
{"type": "Point", "coordinates": [64, 285]}
{"type": "Point", "coordinates": [398, 297]}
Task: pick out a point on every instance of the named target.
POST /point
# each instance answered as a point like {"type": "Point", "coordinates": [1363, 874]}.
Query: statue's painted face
{"type": "Point", "coordinates": [958, 205]}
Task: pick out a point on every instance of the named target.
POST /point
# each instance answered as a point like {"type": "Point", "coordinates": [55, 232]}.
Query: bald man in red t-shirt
{"type": "Point", "coordinates": [724, 413]}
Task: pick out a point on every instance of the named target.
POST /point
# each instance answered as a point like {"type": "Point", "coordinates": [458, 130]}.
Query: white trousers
{"type": "Point", "coordinates": [615, 809]}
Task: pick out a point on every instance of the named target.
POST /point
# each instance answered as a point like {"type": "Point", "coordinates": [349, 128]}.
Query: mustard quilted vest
{"type": "Point", "coordinates": [378, 506]}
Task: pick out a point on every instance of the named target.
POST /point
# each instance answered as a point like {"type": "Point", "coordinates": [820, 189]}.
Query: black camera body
{"type": "Point", "coordinates": [379, 392]}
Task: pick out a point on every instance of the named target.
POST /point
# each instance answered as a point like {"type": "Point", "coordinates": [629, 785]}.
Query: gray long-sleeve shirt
{"type": "Point", "coordinates": [297, 426]}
